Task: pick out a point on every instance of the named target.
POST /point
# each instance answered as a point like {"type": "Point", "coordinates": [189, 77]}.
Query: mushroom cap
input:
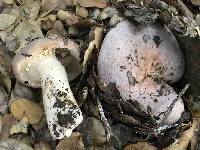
{"type": "Point", "coordinates": [142, 51]}
{"type": "Point", "coordinates": [139, 59]}
{"type": "Point", "coordinates": [25, 63]}
{"type": "Point", "coordinates": [158, 95]}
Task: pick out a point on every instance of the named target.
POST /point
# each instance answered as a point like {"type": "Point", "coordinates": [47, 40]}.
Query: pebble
{"type": "Point", "coordinates": [74, 142]}
{"type": "Point", "coordinates": [26, 108]}
{"type": "Point", "coordinates": [83, 12]}
{"type": "Point", "coordinates": [73, 30]}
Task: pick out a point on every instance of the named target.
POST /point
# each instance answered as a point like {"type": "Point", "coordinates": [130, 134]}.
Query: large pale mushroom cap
{"type": "Point", "coordinates": [140, 51]}
{"type": "Point", "coordinates": [139, 59]}
{"type": "Point", "coordinates": [25, 63]}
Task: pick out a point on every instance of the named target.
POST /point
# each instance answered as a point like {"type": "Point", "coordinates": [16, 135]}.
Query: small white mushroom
{"type": "Point", "coordinates": [139, 59]}
{"type": "Point", "coordinates": [36, 65]}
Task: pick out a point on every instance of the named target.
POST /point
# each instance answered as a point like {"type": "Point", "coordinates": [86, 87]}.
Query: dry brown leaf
{"type": "Point", "coordinates": [184, 139]}
{"type": "Point", "coordinates": [140, 146]}
{"type": "Point", "coordinates": [25, 107]}
{"type": "Point", "coordinates": [92, 3]}
{"type": "Point", "coordinates": [74, 142]}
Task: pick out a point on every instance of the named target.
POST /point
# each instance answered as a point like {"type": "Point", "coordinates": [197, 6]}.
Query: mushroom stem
{"type": "Point", "coordinates": [62, 111]}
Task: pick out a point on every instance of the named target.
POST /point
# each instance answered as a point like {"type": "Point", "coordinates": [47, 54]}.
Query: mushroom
{"type": "Point", "coordinates": [141, 60]}
{"type": "Point", "coordinates": [37, 66]}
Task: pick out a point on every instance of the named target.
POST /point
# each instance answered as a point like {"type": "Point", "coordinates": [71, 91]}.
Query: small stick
{"type": "Point", "coordinates": [104, 120]}
{"type": "Point", "coordinates": [166, 114]}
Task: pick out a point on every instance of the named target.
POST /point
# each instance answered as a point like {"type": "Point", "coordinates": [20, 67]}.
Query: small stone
{"type": "Point", "coordinates": [82, 12]}
{"type": "Point", "coordinates": [74, 142]}
{"type": "Point", "coordinates": [26, 108]}
{"type": "Point", "coordinates": [195, 2]}
{"type": "Point", "coordinates": [73, 30]}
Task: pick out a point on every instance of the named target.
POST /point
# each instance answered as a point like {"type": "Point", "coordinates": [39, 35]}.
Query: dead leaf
{"type": "Point", "coordinates": [25, 32]}
{"type": "Point", "coordinates": [74, 142]}
{"type": "Point", "coordinates": [25, 107]}
{"type": "Point", "coordinates": [6, 21]}
{"type": "Point", "coordinates": [66, 16]}
{"type": "Point", "coordinates": [7, 121]}
{"type": "Point", "coordinates": [184, 139]}
{"type": "Point", "coordinates": [30, 9]}
{"type": "Point", "coordinates": [92, 3]}
{"type": "Point", "coordinates": [140, 146]}
{"type": "Point", "coordinates": [21, 126]}
{"type": "Point", "coordinates": [13, 144]}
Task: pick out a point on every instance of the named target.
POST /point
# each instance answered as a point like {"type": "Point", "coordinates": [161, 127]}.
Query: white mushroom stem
{"type": "Point", "coordinates": [62, 111]}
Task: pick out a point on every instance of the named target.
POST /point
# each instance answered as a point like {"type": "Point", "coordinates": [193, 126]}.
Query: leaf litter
{"type": "Point", "coordinates": [126, 124]}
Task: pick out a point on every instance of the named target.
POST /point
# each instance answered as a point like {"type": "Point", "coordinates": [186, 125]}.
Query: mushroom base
{"type": "Point", "coordinates": [62, 111]}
